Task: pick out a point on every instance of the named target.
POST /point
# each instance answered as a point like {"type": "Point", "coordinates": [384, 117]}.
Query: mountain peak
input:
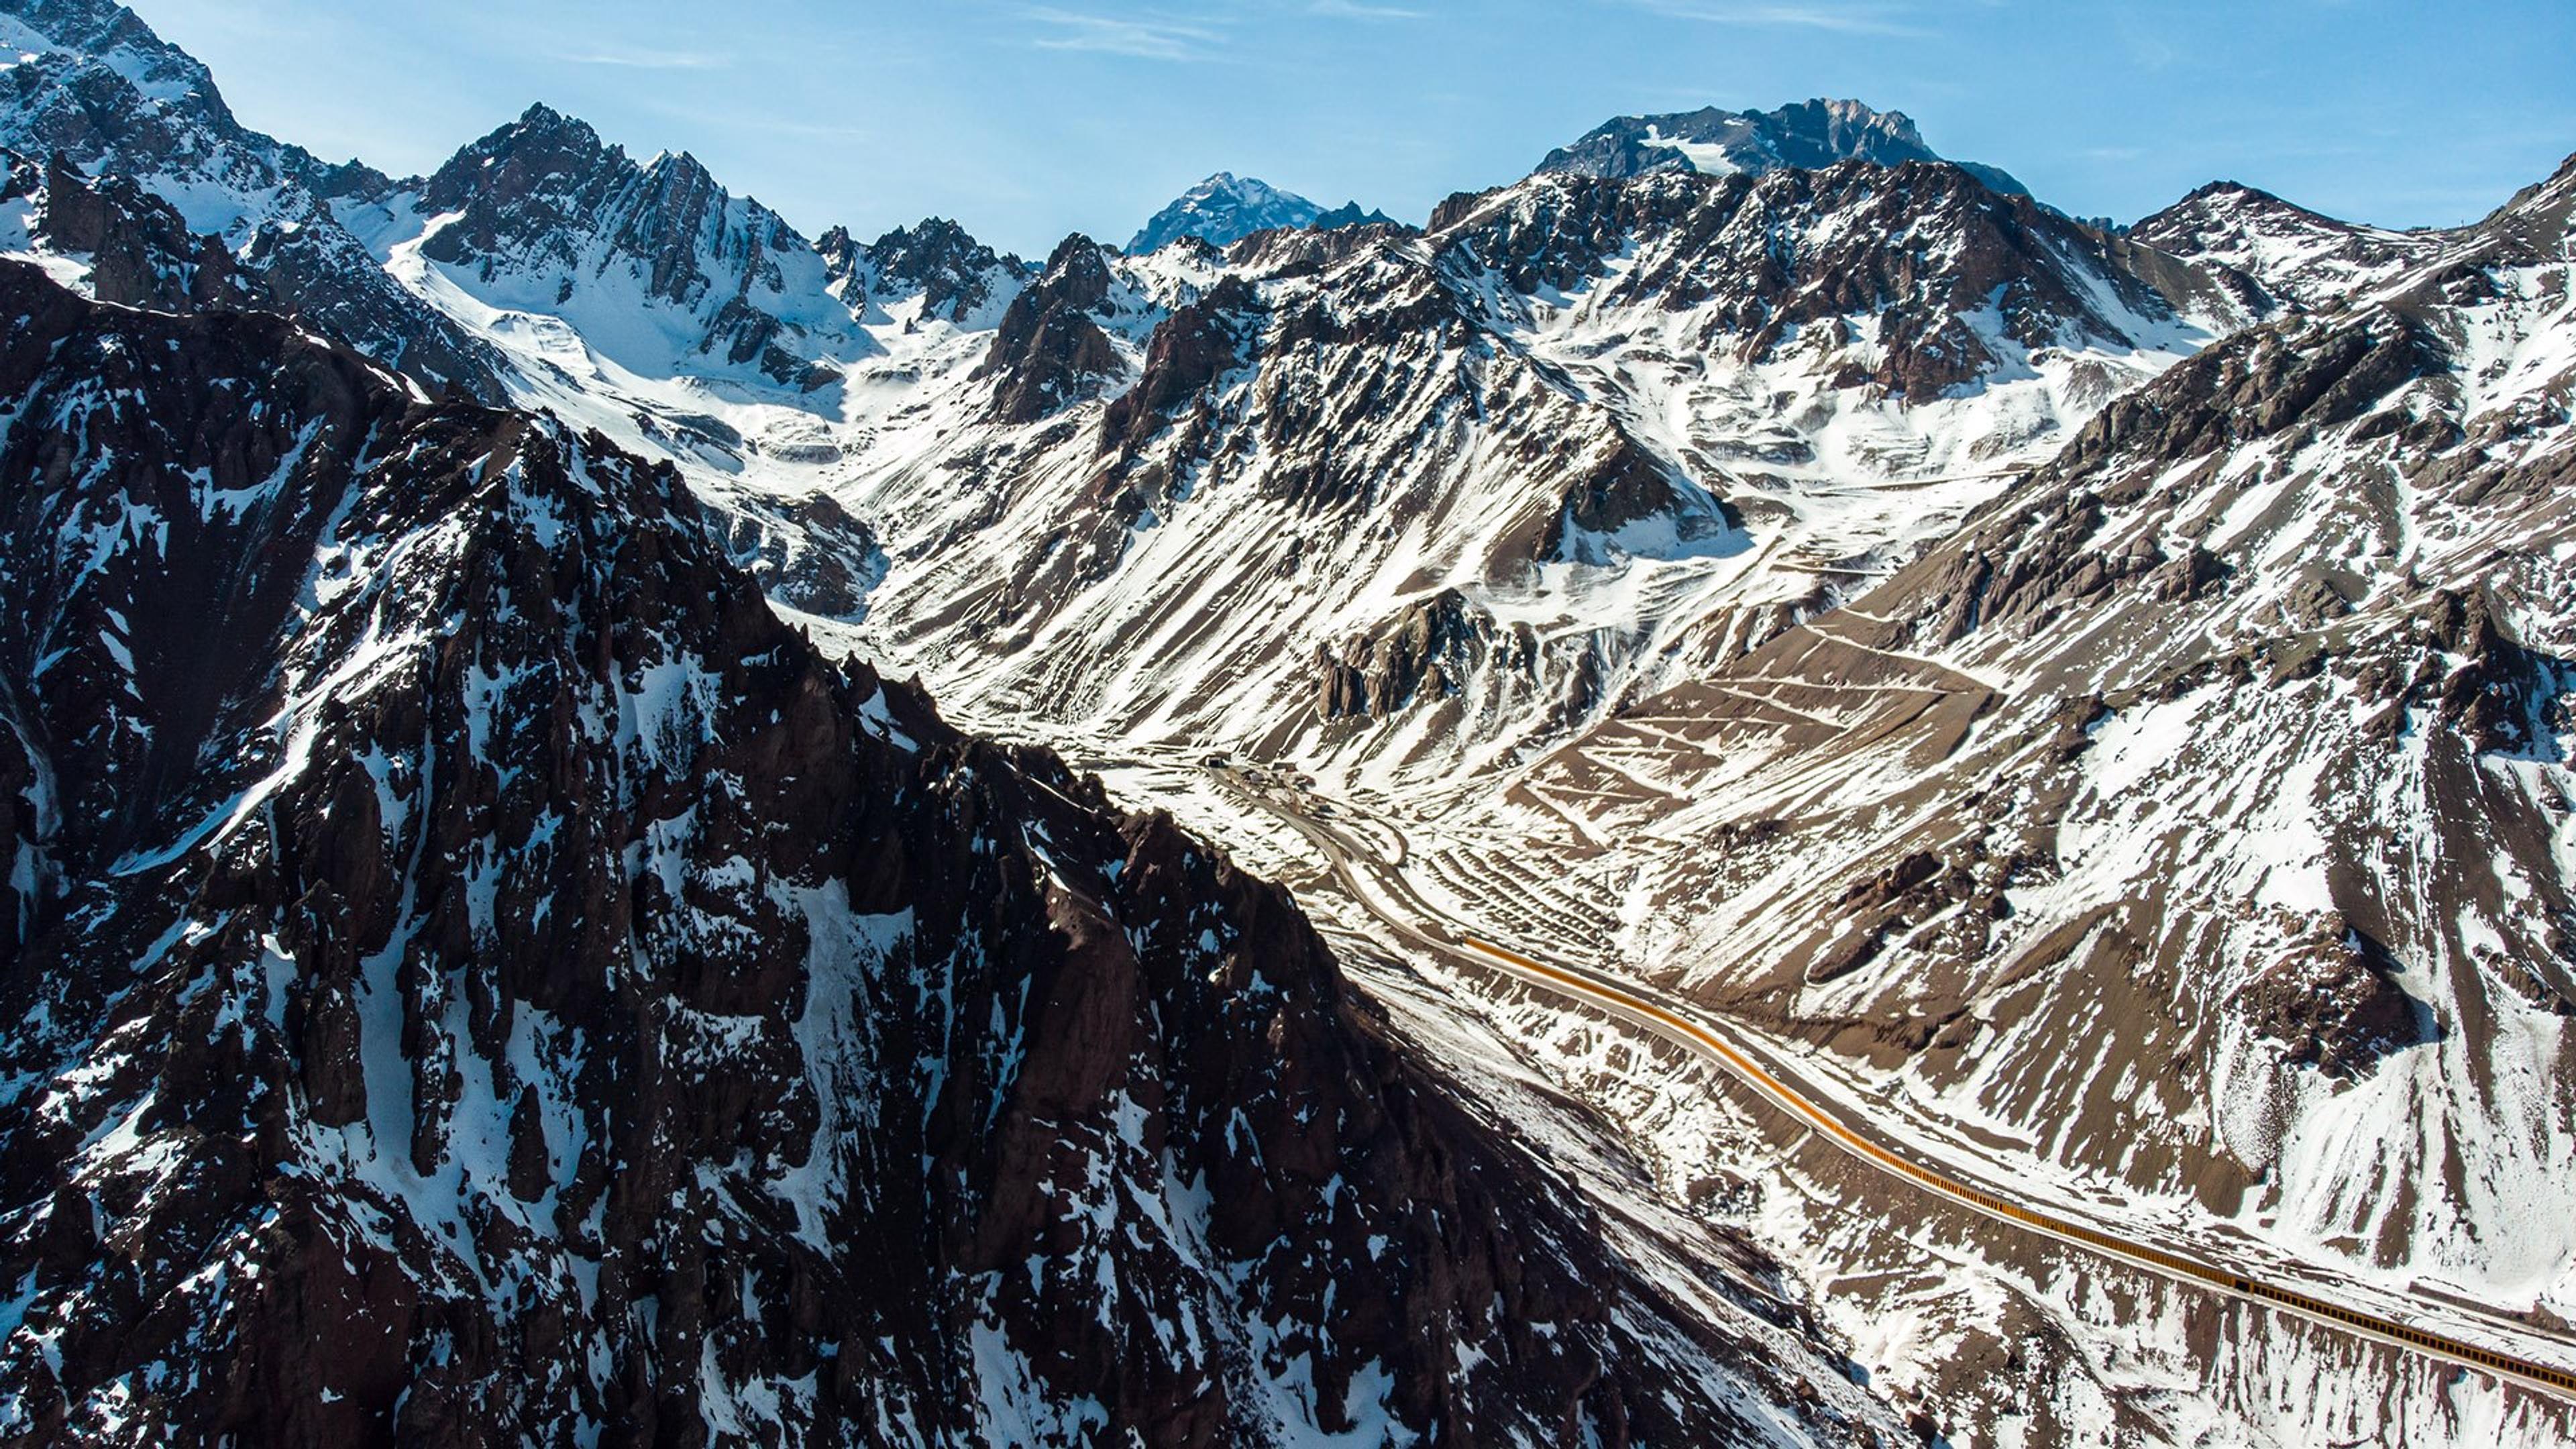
{"type": "Point", "coordinates": [2292, 253]}
{"type": "Point", "coordinates": [1222, 210]}
{"type": "Point", "coordinates": [1807, 135]}
{"type": "Point", "coordinates": [540, 119]}
{"type": "Point", "coordinates": [1351, 213]}
{"type": "Point", "coordinates": [108, 34]}
{"type": "Point", "coordinates": [520, 155]}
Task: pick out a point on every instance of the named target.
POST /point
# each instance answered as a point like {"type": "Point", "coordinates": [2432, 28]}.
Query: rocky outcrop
{"type": "Point", "coordinates": [2331, 1001]}
{"type": "Point", "coordinates": [1193, 347]}
{"type": "Point", "coordinates": [1049, 352]}
{"type": "Point", "coordinates": [807, 553]}
{"type": "Point", "coordinates": [1624, 489]}
{"type": "Point", "coordinates": [1429, 648]}
{"type": "Point", "coordinates": [139, 250]}
{"type": "Point", "coordinates": [2482, 681]}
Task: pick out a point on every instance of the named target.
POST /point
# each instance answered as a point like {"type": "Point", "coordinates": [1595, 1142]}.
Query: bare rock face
{"type": "Point", "coordinates": [2489, 686]}
{"type": "Point", "coordinates": [1192, 348]}
{"type": "Point", "coordinates": [1049, 352]}
{"type": "Point", "coordinates": [475, 974]}
{"type": "Point", "coordinates": [1431, 647]}
{"type": "Point", "coordinates": [2332, 1002]}
{"type": "Point", "coordinates": [139, 249]}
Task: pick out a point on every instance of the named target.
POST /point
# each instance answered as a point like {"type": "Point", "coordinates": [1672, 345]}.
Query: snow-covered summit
{"type": "Point", "coordinates": [2290, 252]}
{"type": "Point", "coordinates": [1226, 208]}
{"type": "Point", "coordinates": [89, 78]}
{"type": "Point", "coordinates": [659, 266]}
{"type": "Point", "coordinates": [1803, 134]}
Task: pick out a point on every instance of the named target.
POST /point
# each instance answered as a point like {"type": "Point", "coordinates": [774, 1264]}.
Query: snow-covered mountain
{"type": "Point", "coordinates": [935, 265]}
{"type": "Point", "coordinates": [2092, 694]}
{"type": "Point", "coordinates": [659, 270]}
{"type": "Point", "coordinates": [88, 82]}
{"type": "Point", "coordinates": [1804, 134]}
{"type": "Point", "coordinates": [2287, 252]}
{"type": "Point", "coordinates": [2189, 828]}
{"type": "Point", "coordinates": [1226, 208]}
{"type": "Point", "coordinates": [1579, 440]}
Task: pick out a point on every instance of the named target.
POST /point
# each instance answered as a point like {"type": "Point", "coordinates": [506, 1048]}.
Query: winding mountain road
{"type": "Point", "coordinates": [1381, 890]}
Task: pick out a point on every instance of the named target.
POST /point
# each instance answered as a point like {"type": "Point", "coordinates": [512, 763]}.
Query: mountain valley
{"type": "Point", "coordinates": [630, 826]}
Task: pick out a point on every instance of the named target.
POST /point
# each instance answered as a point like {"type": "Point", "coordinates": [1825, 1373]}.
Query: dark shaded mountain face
{"type": "Point", "coordinates": [1050, 351]}
{"type": "Point", "coordinates": [1349, 214]}
{"type": "Point", "coordinates": [138, 249]}
{"type": "Point", "coordinates": [473, 972]}
{"type": "Point", "coordinates": [1808, 135]}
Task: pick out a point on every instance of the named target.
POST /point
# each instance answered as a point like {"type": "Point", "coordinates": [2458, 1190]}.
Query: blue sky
{"type": "Point", "coordinates": [1026, 121]}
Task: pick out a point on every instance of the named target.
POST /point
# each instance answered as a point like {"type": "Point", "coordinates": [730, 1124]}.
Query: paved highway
{"type": "Point", "coordinates": [1382, 891]}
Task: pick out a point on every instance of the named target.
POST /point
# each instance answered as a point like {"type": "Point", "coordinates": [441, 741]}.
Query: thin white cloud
{"type": "Point", "coordinates": [2151, 49]}
{"type": "Point", "coordinates": [650, 59]}
{"type": "Point", "coordinates": [1841, 18]}
{"type": "Point", "coordinates": [1116, 35]}
{"type": "Point", "coordinates": [1354, 10]}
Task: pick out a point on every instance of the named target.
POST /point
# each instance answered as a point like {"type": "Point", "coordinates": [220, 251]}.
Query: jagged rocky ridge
{"type": "Point", "coordinates": [543, 215]}
{"type": "Point", "coordinates": [474, 973]}
{"type": "Point", "coordinates": [950, 275]}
